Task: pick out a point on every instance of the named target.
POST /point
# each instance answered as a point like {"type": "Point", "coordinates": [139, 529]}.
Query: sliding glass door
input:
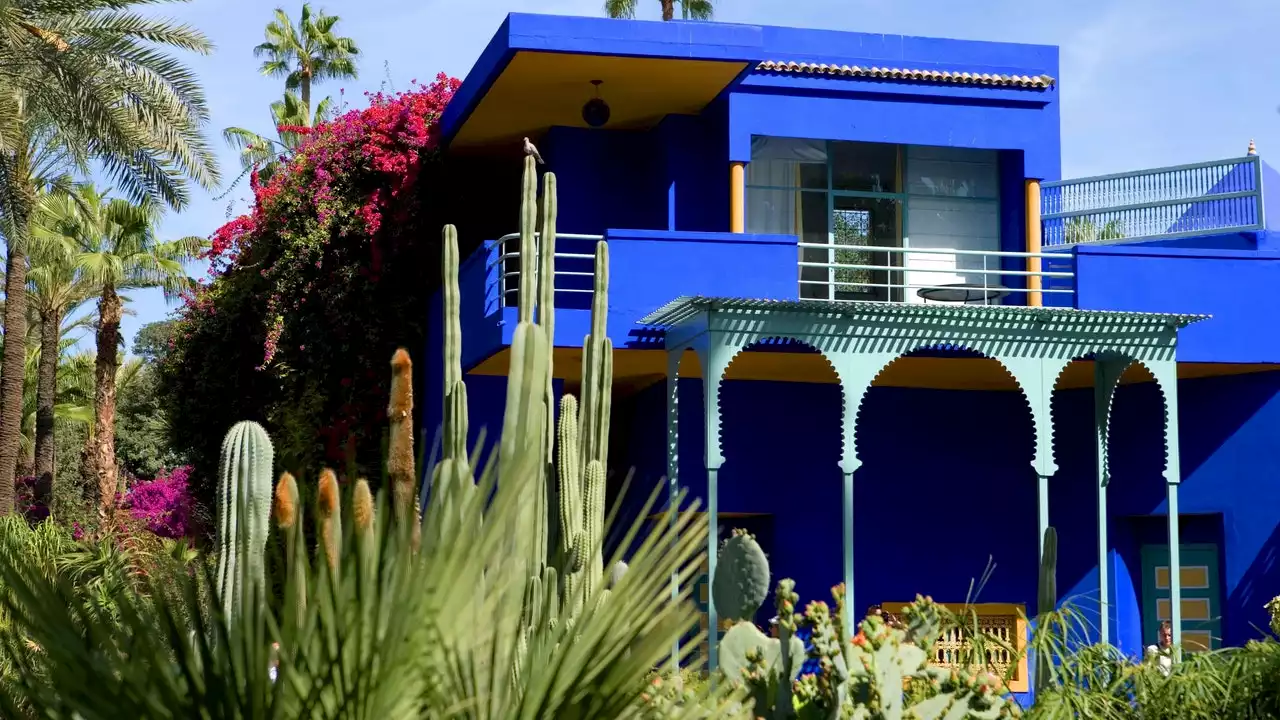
{"type": "Point", "coordinates": [864, 196]}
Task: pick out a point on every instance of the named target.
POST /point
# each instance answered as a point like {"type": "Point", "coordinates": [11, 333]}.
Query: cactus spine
{"type": "Point", "coordinates": [244, 508]}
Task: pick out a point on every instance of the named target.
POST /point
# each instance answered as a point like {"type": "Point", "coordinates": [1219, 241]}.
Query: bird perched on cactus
{"type": "Point", "coordinates": [532, 151]}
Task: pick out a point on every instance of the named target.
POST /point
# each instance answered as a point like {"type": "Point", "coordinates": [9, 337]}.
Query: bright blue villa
{"type": "Point", "coordinates": [926, 345]}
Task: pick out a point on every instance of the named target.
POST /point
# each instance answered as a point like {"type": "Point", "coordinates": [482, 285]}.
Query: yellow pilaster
{"type": "Point", "coordinates": [737, 197]}
{"type": "Point", "coordinates": [1035, 298]}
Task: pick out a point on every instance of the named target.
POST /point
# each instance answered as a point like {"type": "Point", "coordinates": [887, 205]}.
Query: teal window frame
{"type": "Point", "coordinates": [902, 198]}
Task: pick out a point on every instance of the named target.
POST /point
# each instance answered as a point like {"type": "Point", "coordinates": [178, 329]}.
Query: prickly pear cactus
{"type": "Point", "coordinates": [244, 508]}
{"type": "Point", "coordinates": [767, 665]}
{"type": "Point", "coordinates": [741, 582]}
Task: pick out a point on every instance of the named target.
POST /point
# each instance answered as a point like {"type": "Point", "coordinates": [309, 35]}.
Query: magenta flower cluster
{"type": "Point", "coordinates": [164, 503]}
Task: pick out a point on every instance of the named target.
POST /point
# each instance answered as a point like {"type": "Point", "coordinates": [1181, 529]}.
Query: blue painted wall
{"type": "Point", "coordinates": [1235, 287]}
{"type": "Point", "coordinates": [936, 491]}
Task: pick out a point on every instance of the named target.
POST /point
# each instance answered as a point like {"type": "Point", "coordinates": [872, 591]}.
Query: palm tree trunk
{"type": "Point", "coordinates": [46, 390]}
{"type": "Point", "coordinates": [104, 402]}
{"type": "Point", "coordinates": [304, 88]}
{"type": "Point", "coordinates": [668, 9]}
{"type": "Point", "coordinates": [19, 204]}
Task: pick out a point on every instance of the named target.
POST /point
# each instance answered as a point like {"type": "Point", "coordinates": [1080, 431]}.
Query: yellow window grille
{"type": "Point", "coordinates": [1003, 625]}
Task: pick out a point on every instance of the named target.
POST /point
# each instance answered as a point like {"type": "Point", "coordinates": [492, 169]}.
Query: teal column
{"type": "Point", "coordinates": [857, 370]}
{"type": "Point", "coordinates": [1106, 374]}
{"type": "Point", "coordinates": [1166, 374]}
{"type": "Point", "coordinates": [673, 470]}
{"type": "Point", "coordinates": [847, 520]}
{"type": "Point", "coordinates": [715, 358]}
{"type": "Point", "coordinates": [1042, 516]}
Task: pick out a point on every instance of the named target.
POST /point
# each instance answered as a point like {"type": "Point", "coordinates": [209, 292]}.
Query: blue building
{"type": "Point", "coordinates": [928, 345]}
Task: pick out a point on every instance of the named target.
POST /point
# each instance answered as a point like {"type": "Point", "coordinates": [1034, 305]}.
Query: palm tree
{"type": "Point", "coordinates": [57, 289]}
{"type": "Point", "coordinates": [689, 9]}
{"type": "Point", "coordinates": [263, 153]}
{"type": "Point", "coordinates": [118, 251]}
{"type": "Point", "coordinates": [90, 79]}
{"type": "Point", "coordinates": [306, 53]}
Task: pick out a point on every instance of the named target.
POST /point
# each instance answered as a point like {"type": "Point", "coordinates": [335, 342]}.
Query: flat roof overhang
{"type": "Point", "coordinates": [537, 70]}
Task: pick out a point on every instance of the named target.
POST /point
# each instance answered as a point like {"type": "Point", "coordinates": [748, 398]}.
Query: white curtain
{"type": "Point", "coordinates": [775, 163]}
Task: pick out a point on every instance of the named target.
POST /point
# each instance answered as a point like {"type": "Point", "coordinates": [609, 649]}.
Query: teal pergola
{"type": "Point", "coordinates": [860, 339]}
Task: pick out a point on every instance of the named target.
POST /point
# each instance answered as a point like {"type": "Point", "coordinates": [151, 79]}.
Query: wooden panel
{"type": "Point", "coordinates": [1196, 641]}
{"type": "Point", "coordinates": [1194, 577]}
{"type": "Point", "coordinates": [1193, 610]}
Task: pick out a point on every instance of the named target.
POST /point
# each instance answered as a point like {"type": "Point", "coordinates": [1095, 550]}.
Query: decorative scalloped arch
{"type": "Point", "coordinates": [1036, 423]}
{"type": "Point", "coordinates": [1120, 362]}
{"type": "Point", "coordinates": [741, 344]}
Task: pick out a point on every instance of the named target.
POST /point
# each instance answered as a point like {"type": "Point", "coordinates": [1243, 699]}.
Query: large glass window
{"type": "Point", "coordinates": [887, 198]}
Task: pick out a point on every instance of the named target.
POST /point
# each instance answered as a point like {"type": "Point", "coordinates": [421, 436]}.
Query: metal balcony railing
{"type": "Point", "coordinates": [1211, 198]}
{"type": "Point", "coordinates": [916, 275]}
{"type": "Point", "coordinates": [575, 268]}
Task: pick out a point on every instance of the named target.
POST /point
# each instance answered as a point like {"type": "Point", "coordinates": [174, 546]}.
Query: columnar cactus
{"type": "Point", "coordinates": [244, 507]}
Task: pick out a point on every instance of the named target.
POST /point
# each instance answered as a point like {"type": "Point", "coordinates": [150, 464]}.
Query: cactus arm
{"type": "Point", "coordinates": [546, 320]}
{"type": "Point", "coordinates": [528, 243]}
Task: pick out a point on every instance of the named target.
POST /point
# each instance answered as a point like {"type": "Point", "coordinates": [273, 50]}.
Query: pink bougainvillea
{"type": "Point", "coordinates": [163, 504]}
{"type": "Point", "coordinates": [320, 281]}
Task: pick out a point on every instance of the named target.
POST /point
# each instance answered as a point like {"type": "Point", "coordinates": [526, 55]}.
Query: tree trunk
{"type": "Point", "coordinates": [104, 402]}
{"type": "Point", "coordinates": [46, 391]}
{"type": "Point", "coordinates": [19, 203]}
{"type": "Point", "coordinates": [668, 9]}
{"type": "Point", "coordinates": [304, 88]}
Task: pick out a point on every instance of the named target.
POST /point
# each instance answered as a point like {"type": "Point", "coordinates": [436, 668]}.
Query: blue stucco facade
{"type": "Point", "coordinates": [946, 488]}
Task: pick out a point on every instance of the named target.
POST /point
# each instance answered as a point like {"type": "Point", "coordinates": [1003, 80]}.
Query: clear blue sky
{"type": "Point", "coordinates": [1144, 83]}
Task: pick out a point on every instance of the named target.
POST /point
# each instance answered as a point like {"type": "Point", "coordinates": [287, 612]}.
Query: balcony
{"type": "Point", "coordinates": [1223, 197]}
{"type": "Point", "coordinates": [844, 273]}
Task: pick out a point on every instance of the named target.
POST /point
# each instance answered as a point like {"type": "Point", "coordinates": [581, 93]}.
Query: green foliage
{"type": "Point", "coordinates": [142, 426]}
{"type": "Point", "coordinates": [152, 341]}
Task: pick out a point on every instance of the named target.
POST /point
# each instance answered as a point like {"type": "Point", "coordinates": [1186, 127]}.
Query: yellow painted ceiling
{"type": "Point", "coordinates": [538, 90]}
{"type": "Point", "coordinates": [633, 369]}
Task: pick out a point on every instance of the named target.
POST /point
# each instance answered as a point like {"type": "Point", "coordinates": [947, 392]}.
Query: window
{"type": "Point", "coordinates": [837, 194]}
{"type": "Point", "coordinates": [953, 204]}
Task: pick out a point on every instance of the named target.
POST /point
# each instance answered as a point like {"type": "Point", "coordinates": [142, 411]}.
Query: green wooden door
{"type": "Point", "coordinates": [1201, 595]}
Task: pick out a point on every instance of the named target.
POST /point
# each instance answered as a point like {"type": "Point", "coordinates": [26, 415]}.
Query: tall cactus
{"type": "Point", "coordinates": [244, 509]}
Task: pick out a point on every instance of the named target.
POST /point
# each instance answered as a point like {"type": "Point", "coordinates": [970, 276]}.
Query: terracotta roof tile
{"type": "Point", "coordinates": [1036, 82]}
